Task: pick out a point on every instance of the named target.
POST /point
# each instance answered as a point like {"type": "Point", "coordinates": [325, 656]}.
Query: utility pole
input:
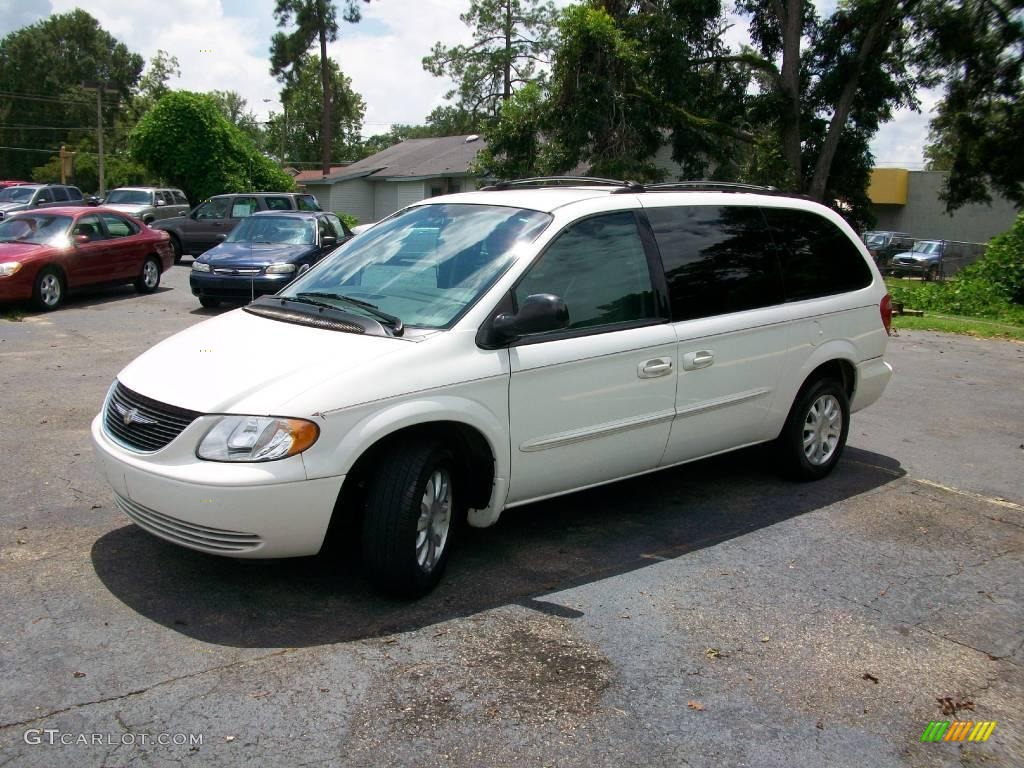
{"type": "Point", "coordinates": [98, 87]}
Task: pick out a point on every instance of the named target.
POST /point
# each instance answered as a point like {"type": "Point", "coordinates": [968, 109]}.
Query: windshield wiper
{"type": "Point", "coordinates": [394, 322]}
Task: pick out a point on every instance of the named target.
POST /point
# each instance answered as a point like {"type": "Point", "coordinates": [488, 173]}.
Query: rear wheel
{"type": "Point", "coordinates": [209, 303]}
{"type": "Point", "coordinates": [48, 289]}
{"type": "Point", "coordinates": [932, 273]}
{"type": "Point", "coordinates": [815, 432]}
{"type": "Point", "coordinates": [149, 280]}
{"type": "Point", "coordinates": [411, 516]}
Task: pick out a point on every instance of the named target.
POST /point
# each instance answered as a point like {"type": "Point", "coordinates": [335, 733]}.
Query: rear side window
{"type": "Point", "coordinates": [817, 258]}
{"type": "Point", "coordinates": [118, 227]}
{"type": "Point", "coordinates": [718, 259]}
{"type": "Point", "coordinates": [243, 207]}
{"type": "Point", "coordinates": [307, 203]}
{"type": "Point", "coordinates": [59, 193]}
{"type": "Point", "coordinates": [598, 266]}
{"type": "Point", "coordinates": [277, 203]}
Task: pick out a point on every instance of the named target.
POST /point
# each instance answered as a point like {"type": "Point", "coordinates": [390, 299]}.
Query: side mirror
{"type": "Point", "coordinates": [540, 312]}
{"type": "Point", "coordinates": [221, 237]}
{"type": "Point", "coordinates": [183, 213]}
{"type": "Point", "coordinates": [81, 239]}
{"type": "Point", "coordinates": [160, 203]}
{"type": "Point", "coordinates": [328, 240]}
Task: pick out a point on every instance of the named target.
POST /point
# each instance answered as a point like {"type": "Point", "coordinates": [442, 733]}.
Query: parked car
{"type": "Point", "coordinates": [25, 197]}
{"type": "Point", "coordinates": [936, 259]}
{"type": "Point", "coordinates": [4, 183]}
{"type": "Point", "coordinates": [485, 350]}
{"type": "Point", "coordinates": [263, 254]}
{"type": "Point", "coordinates": [212, 220]}
{"type": "Point", "coordinates": [883, 245]}
{"type": "Point", "coordinates": [44, 254]}
{"type": "Point", "coordinates": [147, 203]}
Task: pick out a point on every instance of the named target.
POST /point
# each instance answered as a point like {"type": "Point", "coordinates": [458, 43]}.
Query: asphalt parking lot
{"type": "Point", "coordinates": [711, 615]}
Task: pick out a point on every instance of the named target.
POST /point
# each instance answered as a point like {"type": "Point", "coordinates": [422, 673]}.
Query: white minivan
{"type": "Point", "coordinates": [481, 351]}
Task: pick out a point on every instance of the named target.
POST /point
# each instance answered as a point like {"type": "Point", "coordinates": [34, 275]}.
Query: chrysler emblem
{"type": "Point", "coordinates": [131, 416]}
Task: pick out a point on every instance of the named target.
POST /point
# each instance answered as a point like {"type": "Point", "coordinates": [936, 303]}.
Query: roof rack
{"type": "Point", "coordinates": [710, 186]}
{"type": "Point", "coordinates": [535, 182]}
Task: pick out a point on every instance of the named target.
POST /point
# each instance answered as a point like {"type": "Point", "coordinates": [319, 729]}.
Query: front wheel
{"type": "Point", "coordinates": [48, 289]}
{"type": "Point", "coordinates": [209, 303]}
{"type": "Point", "coordinates": [176, 247]}
{"type": "Point", "coordinates": [149, 280]}
{"type": "Point", "coordinates": [411, 515]}
{"type": "Point", "coordinates": [815, 432]}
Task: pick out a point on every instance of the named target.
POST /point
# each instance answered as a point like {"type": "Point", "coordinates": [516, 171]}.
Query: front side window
{"type": "Point", "coordinates": [718, 259]}
{"type": "Point", "coordinates": [179, 197]}
{"type": "Point", "coordinates": [35, 228]}
{"type": "Point", "coordinates": [60, 194]}
{"type": "Point", "coordinates": [213, 209]}
{"type": "Point", "coordinates": [307, 203]}
{"type": "Point", "coordinates": [118, 227]}
{"type": "Point", "coordinates": [273, 229]}
{"type": "Point", "coordinates": [277, 203]}
{"type": "Point", "coordinates": [599, 268]}
{"type": "Point", "coordinates": [90, 227]}
{"type": "Point", "coordinates": [425, 265]}
{"type": "Point", "coordinates": [74, 193]}
{"type": "Point", "coordinates": [817, 258]}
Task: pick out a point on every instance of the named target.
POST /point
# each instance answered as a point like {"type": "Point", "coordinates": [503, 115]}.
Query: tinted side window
{"type": "Point", "coordinates": [213, 209]}
{"type": "Point", "coordinates": [599, 268]}
{"type": "Point", "coordinates": [277, 203]}
{"type": "Point", "coordinates": [718, 259]}
{"type": "Point", "coordinates": [817, 258]}
{"type": "Point", "coordinates": [74, 193]}
{"type": "Point", "coordinates": [307, 203]}
{"type": "Point", "coordinates": [179, 197]}
{"type": "Point", "coordinates": [118, 227]}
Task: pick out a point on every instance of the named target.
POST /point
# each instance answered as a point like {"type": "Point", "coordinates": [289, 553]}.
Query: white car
{"type": "Point", "coordinates": [485, 350]}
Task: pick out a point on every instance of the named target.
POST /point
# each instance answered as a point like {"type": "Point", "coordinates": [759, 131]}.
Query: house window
{"type": "Point", "coordinates": [435, 191]}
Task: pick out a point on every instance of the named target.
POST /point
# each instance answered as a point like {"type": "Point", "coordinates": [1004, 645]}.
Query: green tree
{"type": "Point", "coordinates": [44, 65]}
{"type": "Point", "coordinates": [314, 21]}
{"type": "Point", "coordinates": [186, 140]}
{"type": "Point", "coordinates": [510, 39]}
{"type": "Point", "coordinates": [118, 170]}
{"type": "Point", "coordinates": [235, 110]}
{"type": "Point", "coordinates": [978, 48]}
{"type": "Point", "coordinates": [302, 138]}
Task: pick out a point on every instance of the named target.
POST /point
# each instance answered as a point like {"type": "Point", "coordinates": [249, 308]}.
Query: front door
{"type": "Point", "coordinates": [593, 402]}
{"type": "Point", "coordinates": [124, 252]}
{"type": "Point", "coordinates": [86, 263]}
{"type": "Point", "coordinates": [204, 226]}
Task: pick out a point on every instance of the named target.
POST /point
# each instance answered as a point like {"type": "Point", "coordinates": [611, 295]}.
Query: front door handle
{"type": "Point", "coordinates": [659, 366]}
{"type": "Point", "coordinates": [694, 360]}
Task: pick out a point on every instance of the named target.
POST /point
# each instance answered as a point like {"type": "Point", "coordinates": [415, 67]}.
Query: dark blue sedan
{"type": "Point", "coordinates": [264, 253]}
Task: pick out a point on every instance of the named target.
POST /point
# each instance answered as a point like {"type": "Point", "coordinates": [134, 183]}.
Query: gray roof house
{"type": "Point", "coordinates": [380, 184]}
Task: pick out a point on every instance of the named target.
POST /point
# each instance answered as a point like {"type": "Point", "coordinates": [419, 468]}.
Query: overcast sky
{"type": "Point", "coordinates": [381, 54]}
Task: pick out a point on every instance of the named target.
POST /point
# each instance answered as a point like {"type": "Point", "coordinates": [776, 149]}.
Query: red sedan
{"type": "Point", "coordinates": [46, 253]}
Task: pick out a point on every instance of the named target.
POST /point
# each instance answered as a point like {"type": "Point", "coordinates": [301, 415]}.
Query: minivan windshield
{"type": "Point", "coordinates": [274, 229]}
{"type": "Point", "coordinates": [425, 265]}
{"type": "Point", "coordinates": [127, 197]}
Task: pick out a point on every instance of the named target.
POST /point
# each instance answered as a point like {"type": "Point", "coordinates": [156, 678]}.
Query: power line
{"type": "Point", "coordinates": [15, 127]}
{"type": "Point", "coordinates": [47, 151]}
{"type": "Point", "coordinates": [50, 99]}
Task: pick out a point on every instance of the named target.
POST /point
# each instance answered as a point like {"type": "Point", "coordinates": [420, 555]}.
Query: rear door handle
{"type": "Point", "coordinates": [659, 366]}
{"type": "Point", "coordinates": [694, 360]}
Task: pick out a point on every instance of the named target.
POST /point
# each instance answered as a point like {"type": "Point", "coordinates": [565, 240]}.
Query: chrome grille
{"type": "Point", "coordinates": [152, 424]}
{"type": "Point", "coordinates": [230, 271]}
{"type": "Point", "coordinates": [201, 537]}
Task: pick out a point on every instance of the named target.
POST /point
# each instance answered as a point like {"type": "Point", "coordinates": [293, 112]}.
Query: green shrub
{"type": "Point", "coordinates": [349, 220]}
{"type": "Point", "coordinates": [1001, 269]}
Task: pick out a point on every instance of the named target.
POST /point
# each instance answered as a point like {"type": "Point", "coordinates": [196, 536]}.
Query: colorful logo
{"type": "Point", "coordinates": [958, 730]}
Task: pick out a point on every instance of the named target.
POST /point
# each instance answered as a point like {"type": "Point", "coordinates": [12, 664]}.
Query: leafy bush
{"type": "Point", "coordinates": [349, 220]}
{"type": "Point", "coordinates": [186, 140]}
{"type": "Point", "coordinates": [1002, 267]}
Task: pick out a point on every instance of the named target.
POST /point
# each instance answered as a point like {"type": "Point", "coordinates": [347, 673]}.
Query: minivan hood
{"type": "Point", "coordinates": [261, 254]}
{"type": "Point", "coordinates": [10, 205]}
{"type": "Point", "coordinates": [126, 208]}
{"type": "Point", "coordinates": [241, 363]}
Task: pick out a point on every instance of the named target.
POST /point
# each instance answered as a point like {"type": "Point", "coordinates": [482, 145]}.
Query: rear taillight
{"type": "Point", "coordinates": [885, 308]}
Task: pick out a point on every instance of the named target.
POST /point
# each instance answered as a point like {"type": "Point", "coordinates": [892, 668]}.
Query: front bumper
{"type": "Point", "coordinates": [236, 287]}
{"type": "Point", "coordinates": [237, 510]}
{"type": "Point", "coordinates": [17, 287]}
{"type": "Point", "coordinates": [915, 267]}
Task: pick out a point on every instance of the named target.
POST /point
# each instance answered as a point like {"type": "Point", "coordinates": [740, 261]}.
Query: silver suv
{"type": "Point", "coordinates": [25, 197]}
{"type": "Point", "coordinates": [147, 203]}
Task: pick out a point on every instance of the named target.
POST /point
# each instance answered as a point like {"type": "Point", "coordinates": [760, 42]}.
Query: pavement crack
{"type": "Point", "coordinates": [140, 691]}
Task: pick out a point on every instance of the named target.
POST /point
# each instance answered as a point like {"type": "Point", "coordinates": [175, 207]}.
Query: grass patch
{"type": "Point", "coordinates": [967, 326]}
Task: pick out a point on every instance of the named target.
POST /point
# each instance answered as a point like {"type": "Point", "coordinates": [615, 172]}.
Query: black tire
{"type": "Point", "coordinates": [48, 289]}
{"type": "Point", "coordinates": [209, 303]}
{"type": "Point", "coordinates": [149, 279]}
{"type": "Point", "coordinates": [932, 273]}
{"type": "Point", "coordinates": [390, 535]}
{"type": "Point", "coordinates": [792, 452]}
{"type": "Point", "coordinates": [176, 247]}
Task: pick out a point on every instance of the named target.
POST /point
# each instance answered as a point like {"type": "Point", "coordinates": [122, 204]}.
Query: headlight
{"type": "Point", "coordinates": [8, 268]}
{"type": "Point", "coordinates": [280, 269]}
{"type": "Point", "coordinates": [257, 438]}
{"type": "Point", "coordinates": [200, 266]}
